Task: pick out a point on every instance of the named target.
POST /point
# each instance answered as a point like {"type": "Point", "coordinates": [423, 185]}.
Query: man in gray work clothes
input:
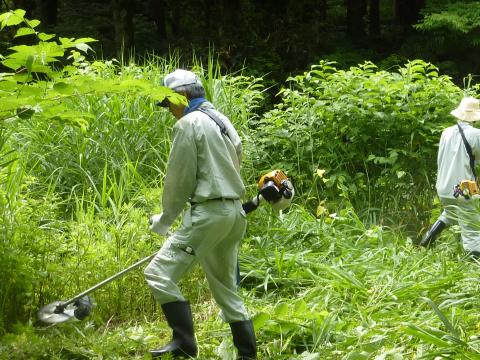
{"type": "Point", "coordinates": [203, 169]}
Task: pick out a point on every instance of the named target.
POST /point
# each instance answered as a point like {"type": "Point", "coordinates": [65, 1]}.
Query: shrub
{"type": "Point", "coordinates": [362, 136]}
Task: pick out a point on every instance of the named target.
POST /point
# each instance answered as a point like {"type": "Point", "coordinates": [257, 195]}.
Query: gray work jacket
{"type": "Point", "coordinates": [203, 164]}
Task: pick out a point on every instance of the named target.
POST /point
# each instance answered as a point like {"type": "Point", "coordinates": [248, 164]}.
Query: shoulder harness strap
{"type": "Point", "coordinates": [216, 119]}
{"type": "Point", "coordinates": [469, 152]}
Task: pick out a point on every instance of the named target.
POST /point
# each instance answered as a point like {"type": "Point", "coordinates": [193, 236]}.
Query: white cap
{"type": "Point", "coordinates": [179, 78]}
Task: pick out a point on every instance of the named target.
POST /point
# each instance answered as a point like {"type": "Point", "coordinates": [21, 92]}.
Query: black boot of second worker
{"type": "Point", "coordinates": [432, 233]}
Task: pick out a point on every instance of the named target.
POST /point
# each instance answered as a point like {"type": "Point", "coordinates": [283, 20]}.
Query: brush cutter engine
{"type": "Point", "coordinates": [274, 187]}
{"type": "Point", "coordinates": [466, 188]}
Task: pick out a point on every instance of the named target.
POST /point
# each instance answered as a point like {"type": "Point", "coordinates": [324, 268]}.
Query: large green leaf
{"type": "Point", "coordinates": [63, 88]}
{"type": "Point", "coordinates": [160, 92]}
{"type": "Point", "coordinates": [11, 18]}
{"type": "Point", "coordinates": [24, 31]}
{"type": "Point", "coordinates": [45, 37]}
{"type": "Point", "coordinates": [80, 44]}
{"type": "Point", "coordinates": [32, 23]}
{"type": "Point", "coordinates": [34, 57]}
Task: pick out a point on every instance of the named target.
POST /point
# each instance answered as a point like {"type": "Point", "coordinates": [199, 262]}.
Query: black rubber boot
{"type": "Point", "coordinates": [432, 233]}
{"type": "Point", "coordinates": [244, 339]}
{"type": "Point", "coordinates": [179, 318]}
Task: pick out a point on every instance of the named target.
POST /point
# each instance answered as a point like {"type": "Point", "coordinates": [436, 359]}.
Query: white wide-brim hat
{"type": "Point", "coordinates": [468, 110]}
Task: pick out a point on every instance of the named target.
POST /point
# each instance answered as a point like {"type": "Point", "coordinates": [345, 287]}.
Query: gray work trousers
{"type": "Point", "coordinates": [210, 234]}
{"type": "Point", "coordinates": [465, 213]}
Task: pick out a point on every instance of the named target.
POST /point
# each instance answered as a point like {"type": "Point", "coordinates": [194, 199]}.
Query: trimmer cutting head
{"type": "Point", "coordinates": [57, 312]}
{"type": "Point", "coordinates": [80, 306]}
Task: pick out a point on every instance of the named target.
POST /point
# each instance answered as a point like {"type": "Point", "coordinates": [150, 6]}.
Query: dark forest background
{"type": "Point", "coordinates": [272, 38]}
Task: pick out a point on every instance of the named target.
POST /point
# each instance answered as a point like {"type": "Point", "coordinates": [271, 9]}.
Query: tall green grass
{"type": "Point", "coordinates": [340, 290]}
{"type": "Point", "coordinates": [316, 290]}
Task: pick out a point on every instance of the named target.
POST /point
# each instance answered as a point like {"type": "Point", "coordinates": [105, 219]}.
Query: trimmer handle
{"type": "Point", "coordinates": [253, 204]}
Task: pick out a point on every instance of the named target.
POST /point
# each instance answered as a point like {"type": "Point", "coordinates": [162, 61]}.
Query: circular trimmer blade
{"type": "Point", "coordinates": [50, 315]}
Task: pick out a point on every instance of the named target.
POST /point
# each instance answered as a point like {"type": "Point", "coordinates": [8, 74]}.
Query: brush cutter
{"type": "Point", "coordinates": [274, 187]}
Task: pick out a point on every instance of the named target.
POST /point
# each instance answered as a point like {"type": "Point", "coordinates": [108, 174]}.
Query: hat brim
{"type": "Point", "coordinates": [164, 103]}
{"type": "Point", "coordinates": [469, 116]}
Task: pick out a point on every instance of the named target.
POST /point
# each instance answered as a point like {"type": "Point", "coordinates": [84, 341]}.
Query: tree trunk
{"type": "Point", "coordinates": [374, 18]}
{"type": "Point", "coordinates": [27, 5]}
{"type": "Point", "coordinates": [322, 6]}
{"type": "Point", "coordinates": [158, 13]}
{"type": "Point", "coordinates": [123, 11]}
{"type": "Point", "coordinates": [319, 21]}
{"type": "Point", "coordinates": [356, 10]}
{"type": "Point", "coordinates": [47, 12]}
{"type": "Point", "coordinates": [233, 21]}
{"type": "Point", "coordinates": [407, 12]}
{"type": "Point", "coordinates": [320, 18]}
{"type": "Point", "coordinates": [273, 17]}
{"type": "Point", "coordinates": [174, 15]}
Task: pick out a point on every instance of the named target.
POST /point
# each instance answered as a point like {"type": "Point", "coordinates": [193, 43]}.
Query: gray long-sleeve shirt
{"type": "Point", "coordinates": [453, 161]}
{"type": "Point", "coordinates": [203, 164]}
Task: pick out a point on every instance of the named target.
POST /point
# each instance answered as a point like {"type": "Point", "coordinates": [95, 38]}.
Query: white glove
{"type": "Point", "coordinates": [156, 226]}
